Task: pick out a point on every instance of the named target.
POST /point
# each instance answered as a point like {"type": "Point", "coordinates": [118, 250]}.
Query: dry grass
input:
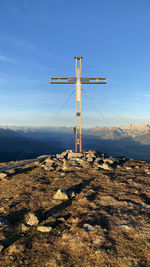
{"type": "Point", "coordinates": [112, 201]}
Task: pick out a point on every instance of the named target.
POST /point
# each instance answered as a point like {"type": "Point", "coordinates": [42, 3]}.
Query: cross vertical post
{"type": "Point", "coordinates": [78, 80]}
{"type": "Point", "coordinates": [78, 117]}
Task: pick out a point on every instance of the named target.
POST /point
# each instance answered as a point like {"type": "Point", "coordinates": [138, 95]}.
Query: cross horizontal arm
{"type": "Point", "coordinates": [63, 80]}
{"type": "Point", "coordinates": [93, 80]}
{"type": "Point", "coordinates": [72, 80]}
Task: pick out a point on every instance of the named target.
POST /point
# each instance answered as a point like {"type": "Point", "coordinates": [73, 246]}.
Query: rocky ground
{"type": "Point", "coordinates": [76, 209]}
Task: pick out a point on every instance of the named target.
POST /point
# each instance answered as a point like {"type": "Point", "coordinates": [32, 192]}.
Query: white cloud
{"type": "Point", "coordinates": [7, 59]}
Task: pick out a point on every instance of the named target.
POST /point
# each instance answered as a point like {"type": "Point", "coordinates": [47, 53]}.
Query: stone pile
{"type": "Point", "coordinates": [68, 160]}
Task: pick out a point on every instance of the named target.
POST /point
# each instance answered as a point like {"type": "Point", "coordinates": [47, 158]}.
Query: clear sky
{"type": "Point", "coordinates": [39, 39]}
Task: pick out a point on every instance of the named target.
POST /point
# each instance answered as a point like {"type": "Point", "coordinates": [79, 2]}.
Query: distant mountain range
{"type": "Point", "coordinates": [132, 141]}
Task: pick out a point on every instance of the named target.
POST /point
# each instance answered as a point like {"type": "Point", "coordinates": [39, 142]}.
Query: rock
{"type": "Point", "coordinates": [4, 223]}
{"type": "Point", "coordinates": [65, 153]}
{"type": "Point", "coordinates": [89, 228]}
{"type": "Point", "coordinates": [24, 228]}
{"type": "Point", "coordinates": [128, 168]}
{"type": "Point", "coordinates": [11, 171]}
{"type": "Point", "coordinates": [83, 163]}
{"type": "Point", "coordinates": [1, 247]}
{"type": "Point", "coordinates": [44, 228]}
{"type": "Point", "coordinates": [146, 206]}
{"type": "Point", "coordinates": [15, 248]}
{"type": "Point", "coordinates": [74, 155]}
{"type": "Point", "coordinates": [48, 168]}
{"type": "Point", "coordinates": [49, 162]}
{"type": "Point", "coordinates": [62, 219]}
{"type": "Point", "coordinates": [147, 171]}
{"type": "Point", "coordinates": [125, 226]}
{"type": "Point", "coordinates": [31, 219]}
{"type": "Point", "coordinates": [106, 166]}
{"type": "Point", "coordinates": [97, 241]}
{"type": "Point", "coordinates": [60, 156]}
{"type": "Point", "coordinates": [90, 159]}
{"type": "Point", "coordinates": [3, 175]}
{"type": "Point", "coordinates": [110, 160]}
{"type": "Point", "coordinates": [61, 195]}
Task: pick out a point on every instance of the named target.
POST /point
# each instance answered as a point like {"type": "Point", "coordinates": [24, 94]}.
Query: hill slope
{"type": "Point", "coordinates": [103, 222]}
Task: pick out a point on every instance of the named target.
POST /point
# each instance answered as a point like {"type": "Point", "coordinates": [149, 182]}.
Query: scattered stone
{"type": "Point", "coordinates": [1, 247]}
{"type": "Point", "coordinates": [106, 166]}
{"type": "Point", "coordinates": [128, 168]}
{"type": "Point", "coordinates": [90, 159]}
{"type": "Point", "coordinates": [89, 228]}
{"type": "Point", "coordinates": [44, 228]}
{"type": "Point", "coordinates": [110, 160]}
{"type": "Point", "coordinates": [146, 206]}
{"type": "Point", "coordinates": [15, 248]}
{"type": "Point", "coordinates": [31, 219]}
{"type": "Point", "coordinates": [61, 195]}
{"type": "Point", "coordinates": [97, 241]}
{"type": "Point", "coordinates": [24, 228]}
{"type": "Point", "coordinates": [62, 219]}
{"type": "Point", "coordinates": [48, 168]}
{"type": "Point", "coordinates": [3, 175]}
{"type": "Point", "coordinates": [125, 226]}
{"type": "Point", "coordinates": [147, 171]}
{"type": "Point", "coordinates": [74, 155]}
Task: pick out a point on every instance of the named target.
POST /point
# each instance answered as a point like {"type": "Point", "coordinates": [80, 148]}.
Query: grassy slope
{"type": "Point", "coordinates": [113, 201]}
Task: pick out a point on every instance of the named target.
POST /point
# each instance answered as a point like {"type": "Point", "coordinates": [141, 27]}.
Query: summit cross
{"type": "Point", "coordinates": [78, 80]}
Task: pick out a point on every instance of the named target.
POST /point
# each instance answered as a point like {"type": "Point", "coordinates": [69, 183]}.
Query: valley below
{"type": "Point", "coordinates": [131, 141]}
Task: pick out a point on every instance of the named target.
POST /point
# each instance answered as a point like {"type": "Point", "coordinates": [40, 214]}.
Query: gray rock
{"type": "Point", "coordinates": [31, 219]}
{"type": "Point", "coordinates": [89, 228]}
{"type": "Point", "coordinates": [60, 195]}
{"type": "Point", "coordinates": [44, 228]}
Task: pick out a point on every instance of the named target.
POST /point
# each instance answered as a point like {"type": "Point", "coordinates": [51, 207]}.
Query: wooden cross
{"type": "Point", "coordinates": [77, 80]}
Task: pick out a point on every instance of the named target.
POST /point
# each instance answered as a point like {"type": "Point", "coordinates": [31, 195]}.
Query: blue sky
{"type": "Point", "coordinates": [39, 39]}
